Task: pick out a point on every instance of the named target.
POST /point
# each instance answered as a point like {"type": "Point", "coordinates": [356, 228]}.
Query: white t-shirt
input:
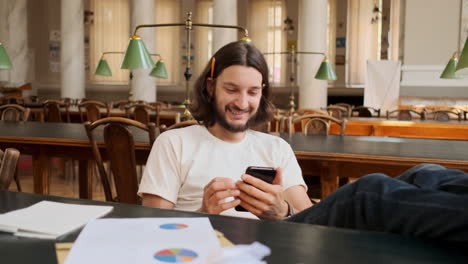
{"type": "Point", "coordinates": [183, 161]}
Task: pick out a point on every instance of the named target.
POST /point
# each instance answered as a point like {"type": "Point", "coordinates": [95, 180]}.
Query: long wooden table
{"type": "Point", "coordinates": [355, 156]}
{"type": "Point", "coordinates": [289, 242]}
{"type": "Point", "coordinates": [333, 156]}
{"type": "Point", "coordinates": [410, 129]}
{"type": "Point", "coordinates": [68, 140]}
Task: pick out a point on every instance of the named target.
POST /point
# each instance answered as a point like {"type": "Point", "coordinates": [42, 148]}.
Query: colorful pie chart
{"type": "Point", "coordinates": [173, 226]}
{"type": "Point", "coordinates": [175, 255]}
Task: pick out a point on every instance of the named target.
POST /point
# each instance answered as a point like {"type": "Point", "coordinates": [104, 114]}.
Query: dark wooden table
{"type": "Point", "coordinates": [333, 156]}
{"type": "Point", "coordinates": [289, 242]}
{"type": "Point", "coordinates": [68, 140]}
{"type": "Point", "coordinates": [355, 156]}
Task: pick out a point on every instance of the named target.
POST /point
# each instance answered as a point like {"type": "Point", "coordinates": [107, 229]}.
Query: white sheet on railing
{"type": "Point", "coordinates": [382, 87]}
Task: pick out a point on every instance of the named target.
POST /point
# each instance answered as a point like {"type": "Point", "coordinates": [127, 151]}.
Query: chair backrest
{"type": "Point", "coordinates": [120, 149]}
{"type": "Point", "coordinates": [337, 112]}
{"type": "Point", "coordinates": [406, 114]}
{"type": "Point", "coordinates": [142, 112]}
{"type": "Point", "coordinates": [182, 124]}
{"type": "Point", "coordinates": [53, 110]}
{"type": "Point", "coordinates": [91, 110]}
{"type": "Point", "coordinates": [444, 115]}
{"type": "Point", "coordinates": [365, 111]}
{"type": "Point", "coordinates": [317, 124]}
{"type": "Point", "coordinates": [8, 162]}
{"type": "Point", "coordinates": [14, 112]}
{"type": "Point", "coordinates": [120, 104]}
{"type": "Point", "coordinates": [307, 111]}
{"type": "Point", "coordinates": [345, 105]}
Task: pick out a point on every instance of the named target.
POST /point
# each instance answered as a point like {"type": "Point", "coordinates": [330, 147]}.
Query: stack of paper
{"type": "Point", "coordinates": [145, 240]}
{"type": "Point", "coordinates": [48, 220]}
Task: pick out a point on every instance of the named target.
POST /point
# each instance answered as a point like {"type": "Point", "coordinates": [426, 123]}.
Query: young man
{"type": "Point", "coordinates": [202, 167]}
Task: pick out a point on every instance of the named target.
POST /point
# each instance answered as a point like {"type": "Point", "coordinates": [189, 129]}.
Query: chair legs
{"type": "Point", "coordinates": [16, 177]}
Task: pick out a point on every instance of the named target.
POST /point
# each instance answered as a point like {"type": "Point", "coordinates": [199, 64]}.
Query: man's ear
{"type": "Point", "coordinates": [210, 85]}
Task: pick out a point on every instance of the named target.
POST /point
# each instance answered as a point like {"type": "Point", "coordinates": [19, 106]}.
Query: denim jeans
{"type": "Point", "coordinates": [427, 201]}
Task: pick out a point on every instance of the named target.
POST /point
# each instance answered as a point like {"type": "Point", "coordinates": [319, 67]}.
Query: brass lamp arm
{"type": "Point", "coordinates": [294, 52]}
{"type": "Point", "coordinates": [157, 25]}
{"type": "Point", "coordinates": [246, 32]}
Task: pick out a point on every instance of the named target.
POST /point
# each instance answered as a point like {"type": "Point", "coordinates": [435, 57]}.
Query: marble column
{"type": "Point", "coordinates": [14, 35]}
{"type": "Point", "coordinates": [72, 57]}
{"type": "Point", "coordinates": [225, 13]}
{"type": "Point", "coordinates": [143, 86]}
{"type": "Point", "coordinates": [312, 37]}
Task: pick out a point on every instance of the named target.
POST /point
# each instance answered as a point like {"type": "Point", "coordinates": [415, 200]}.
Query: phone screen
{"type": "Point", "coordinates": [266, 174]}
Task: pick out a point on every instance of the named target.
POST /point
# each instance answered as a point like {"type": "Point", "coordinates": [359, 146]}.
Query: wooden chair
{"type": "Point", "coordinates": [318, 124]}
{"type": "Point", "coordinates": [345, 105]}
{"type": "Point", "coordinates": [182, 124]}
{"type": "Point", "coordinates": [54, 110]}
{"type": "Point", "coordinates": [365, 111]}
{"type": "Point", "coordinates": [120, 149]}
{"type": "Point", "coordinates": [142, 112]}
{"type": "Point", "coordinates": [406, 114]}
{"type": "Point", "coordinates": [14, 112]}
{"type": "Point", "coordinates": [8, 163]}
{"type": "Point", "coordinates": [337, 112]}
{"type": "Point", "coordinates": [120, 104]}
{"type": "Point", "coordinates": [444, 115]}
{"type": "Point", "coordinates": [307, 111]}
{"type": "Point", "coordinates": [92, 110]}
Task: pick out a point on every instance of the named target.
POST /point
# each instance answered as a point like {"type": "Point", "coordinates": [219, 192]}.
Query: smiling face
{"type": "Point", "coordinates": [237, 92]}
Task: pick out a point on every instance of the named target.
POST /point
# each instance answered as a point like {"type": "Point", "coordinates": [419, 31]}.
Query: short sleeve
{"type": "Point", "coordinates": [292, 173]}
{"type": "Point", "coordinates": [161, 176]}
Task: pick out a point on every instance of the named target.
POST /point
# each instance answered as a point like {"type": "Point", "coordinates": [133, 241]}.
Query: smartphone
{"type": "Point", "coordinates": [266, 174]}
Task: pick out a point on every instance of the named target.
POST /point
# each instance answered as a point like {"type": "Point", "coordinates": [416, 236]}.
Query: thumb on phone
{"type": "Point", "coordinates": [279, 177]}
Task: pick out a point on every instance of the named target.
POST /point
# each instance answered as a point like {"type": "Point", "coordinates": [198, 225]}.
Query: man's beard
{"type": "Point", "coordinates": [221, 119]}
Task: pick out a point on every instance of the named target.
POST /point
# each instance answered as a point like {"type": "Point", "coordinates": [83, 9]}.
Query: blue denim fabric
{"type": "Point", "coordinates": [426, 201]}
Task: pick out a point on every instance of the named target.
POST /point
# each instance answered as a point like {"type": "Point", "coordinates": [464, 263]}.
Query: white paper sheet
{"type": "Point", "coordinates": [145, 240]}
{"type": "Point", "coordinates": [382, 88]}
{"type": "Point", "coordinates": [49, 220]}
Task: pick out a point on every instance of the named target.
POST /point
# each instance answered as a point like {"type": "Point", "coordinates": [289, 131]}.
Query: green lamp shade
{"type": "Point", "coordinates": [463, 60]}
{"type": "Point", "coordinates": [137, 56]}
{"type": "Point", "coordinates": [5, 62]}
{"type": "Point", "coordinates": [325, 72]}
{"type": "Point", "coordinates": [103, 68]}
{"type": "Point", "coordinates": [159, 70]}
{"type": "Point", "coordinates": [450, 70]}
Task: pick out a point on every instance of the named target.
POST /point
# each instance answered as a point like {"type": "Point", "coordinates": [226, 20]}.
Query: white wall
{"type": "Point", "coordinates": [430, 38]}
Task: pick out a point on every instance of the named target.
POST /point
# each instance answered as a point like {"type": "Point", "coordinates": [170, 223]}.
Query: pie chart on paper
{"type": "Point", "coordinates": [175, 255]}
{"type": "Point", "coordinates": [173, 226]}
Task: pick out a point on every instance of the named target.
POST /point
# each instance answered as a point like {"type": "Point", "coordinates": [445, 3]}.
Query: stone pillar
{"type": "Point", "coordinates": [225, 13]}
{"type": "Point", "coordinates": [143, 86]}
{"type": "Point", "coordinates": [72, 57]}
{"type": "Point", "coordinates": [312, 37]}
{"type": "Point", "coordinates": [14, 36]}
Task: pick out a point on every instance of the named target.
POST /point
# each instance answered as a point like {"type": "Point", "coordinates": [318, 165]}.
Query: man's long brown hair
{"type": "Point", "coordinates": [235, 53]}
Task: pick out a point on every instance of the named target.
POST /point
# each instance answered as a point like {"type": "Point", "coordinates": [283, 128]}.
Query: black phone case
{"type": "Point", "coordinates": [266, 174]}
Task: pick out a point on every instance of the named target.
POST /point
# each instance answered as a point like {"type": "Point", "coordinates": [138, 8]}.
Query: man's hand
{"type": "Point", "coordinates": [214, 194]}
{"type": "Point", "coordinates": [261, 198]}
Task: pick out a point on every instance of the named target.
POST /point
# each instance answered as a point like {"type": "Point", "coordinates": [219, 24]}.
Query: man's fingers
{"type": "Point", "coordinates": [254, 192]}
{"type": "Point", "coordinates": [250, 208]}
{"type": "Point", "coordinates": [219, 184]}
{"type": "Point", "coordinates": [229, 205]}
{"type": "Point", "coordinates": [259, 204]}
{"type": "Point", "coordinates": [218, 197]}
{"type": "Point", "coordinates": [258, 183]}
